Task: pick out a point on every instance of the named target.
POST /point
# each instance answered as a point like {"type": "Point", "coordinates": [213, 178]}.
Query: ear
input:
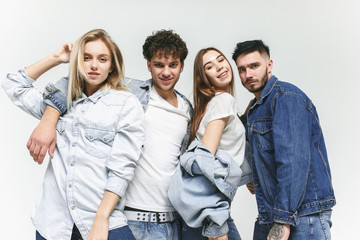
{"type": "Point", "coordinates": [182, 66]}
{"type": "Point", "coordinates": [270, 66]}
{"type": "Point", "coordinates": [148, 65]}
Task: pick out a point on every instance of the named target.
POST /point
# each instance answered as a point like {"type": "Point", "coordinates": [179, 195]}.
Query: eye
{"type": "Point", "coordinates": [221, 59]}
{"type": "Point", "coordinates": [103, 59]}
{"type": "Point", "coordinates": [241, 69]}
{"type": "Point", "coordinates": [209, 67]}
{"type": "Point", "coordinates": [86, 58]}
{"type": "Point", "coordinates": [173, 65]}
{"type": "Point", "coordinates": [255, 65]}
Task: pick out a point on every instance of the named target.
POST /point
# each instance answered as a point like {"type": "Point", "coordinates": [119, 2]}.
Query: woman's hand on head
{"type": "Point", "coordinates": [62, 54]}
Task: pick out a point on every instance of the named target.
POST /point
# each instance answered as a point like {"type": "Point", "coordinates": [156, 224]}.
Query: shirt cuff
{"type": "Point", "coordinates": [213, 230]}
{"type": "Point", "coordinates": [117, 185]}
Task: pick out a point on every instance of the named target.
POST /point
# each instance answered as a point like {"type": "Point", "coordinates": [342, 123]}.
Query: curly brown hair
{"type": "Point", "coordinates": [164, 42]}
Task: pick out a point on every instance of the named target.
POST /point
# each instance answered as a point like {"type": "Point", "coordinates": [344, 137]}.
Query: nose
{"type": "Point", "coordinates": [94, 64]}
{"type": "Point", "coordinates": [219, 67]}
{"type": "Point", "coordinates": [166, 71]}
{"type": "Point", "coordinates": [249, 73]}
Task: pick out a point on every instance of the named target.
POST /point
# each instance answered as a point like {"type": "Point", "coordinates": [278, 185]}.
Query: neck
{"type": "Point", "coordinates": [169, 96]}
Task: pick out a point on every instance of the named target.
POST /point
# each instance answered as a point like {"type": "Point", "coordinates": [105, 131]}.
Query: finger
{"type": "Point", "coordinates": [42, 155]}
{"type": "Point", "coordinates": [52, 149]}
{"type": "Point", "coordinates": [36, 152]}
{"type": "Point", "coordinates": [31, 148]}
{"type": "Point", "coordinates": [28, 144]}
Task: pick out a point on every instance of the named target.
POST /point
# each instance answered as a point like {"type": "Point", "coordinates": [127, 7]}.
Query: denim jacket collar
{"type": "Point", "coordinates": [268, 89]}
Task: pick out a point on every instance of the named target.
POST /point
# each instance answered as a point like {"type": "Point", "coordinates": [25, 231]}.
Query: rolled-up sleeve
{"type": "Point", "coordinates": [19, 87]}
{"type": "Point", "coordinates": [127, 147]}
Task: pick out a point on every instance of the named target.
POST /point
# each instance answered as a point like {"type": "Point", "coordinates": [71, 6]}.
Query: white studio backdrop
{"type": "Point", "coordinates": [314, 44]}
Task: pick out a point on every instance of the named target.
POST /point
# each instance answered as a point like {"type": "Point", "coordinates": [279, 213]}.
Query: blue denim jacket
{"type": "Point", "coordinates": [203, 187]}
{"type": "Point", "coordinates": [290, 167]}
{"type": "Point", "coordinates": [55, 96]}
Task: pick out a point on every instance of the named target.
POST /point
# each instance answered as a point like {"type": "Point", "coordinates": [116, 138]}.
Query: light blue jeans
{"type": "Point", "coordinates": [155, 231]}
{"type": "Point", "coordinates": [189, 233]}
{"type": "Point", "coordinates": [312, 227]}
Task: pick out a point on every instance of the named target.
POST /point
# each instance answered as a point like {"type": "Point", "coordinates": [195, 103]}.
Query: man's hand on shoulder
{"type": "Point", "coordinates": [43, 138]}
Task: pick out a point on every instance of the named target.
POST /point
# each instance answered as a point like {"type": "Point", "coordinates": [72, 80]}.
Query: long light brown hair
{"type": "Point", "coordinates": [203, 91]}
{"type": "Point", "coordinates": [77, 74]}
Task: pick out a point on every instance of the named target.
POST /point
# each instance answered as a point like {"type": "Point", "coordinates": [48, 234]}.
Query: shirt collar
{"type": "Point", "coordinates": [268, 88]}
{"type": "Point", "coordinates": [96, 96]}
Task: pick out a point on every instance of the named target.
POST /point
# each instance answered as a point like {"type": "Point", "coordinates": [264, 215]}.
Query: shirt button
{"type": "Point", "coordinates": [73, 207]}
{"type": "Point", "coordinates": [73, 145]}
{"type": "Point", "coordinates": [105, 139]}
{"type": "Point", "coordinates": [82, 111]}
{"type": "Point", "coordinates": [91, 137]}
{"type": "Point", "coordinates": [76, 124]}
{"type": "Point", "coordinates": [70, 186]}
{"type": "Point", "coordinates": [72, 164]}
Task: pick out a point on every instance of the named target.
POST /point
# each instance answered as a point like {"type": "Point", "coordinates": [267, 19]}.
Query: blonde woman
{"type": "Point", "coordinates": [99, 141]}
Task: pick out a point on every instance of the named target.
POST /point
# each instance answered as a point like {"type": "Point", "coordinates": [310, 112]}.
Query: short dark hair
{"type": "Point", "coordinates": [249, 47]}
{"type": "Point", "coordinates": [164, 42]}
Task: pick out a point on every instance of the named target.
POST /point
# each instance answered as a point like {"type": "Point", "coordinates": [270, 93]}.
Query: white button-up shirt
{"type": "Point", "coordinates": [99, 141]}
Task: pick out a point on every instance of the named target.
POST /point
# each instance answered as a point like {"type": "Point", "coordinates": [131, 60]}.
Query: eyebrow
{"type": "Point", "coordinates": [101, 55]}
{"type": "Point", "coordinates": [220, 55]}
{"type": "Point", "coordinates": [241, 66]}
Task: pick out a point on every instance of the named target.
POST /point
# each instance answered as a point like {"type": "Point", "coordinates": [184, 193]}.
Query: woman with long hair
{"type": "Point", "coordinates": [99, 141]}
{"type": "Point", "coordinates": [210, 170]}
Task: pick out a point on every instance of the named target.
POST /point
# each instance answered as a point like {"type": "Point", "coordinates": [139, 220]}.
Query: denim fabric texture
{"type": "Point", "coordinates": [155, 231]}
{"type": "Point", "coordinates": [123, 233]}
{"type": "Point", "coordinates": [94, 152]}
{"type": "Point", "coordinates": [189, 233]}
{"type": "Point", "coordinates": [290, 166]}
{"type": "Point", "coordinates": [312, 227]}
{"type": "Point", "coordinates": [55, 96]}
{"type": "Point", "coordinates": [203, 187]}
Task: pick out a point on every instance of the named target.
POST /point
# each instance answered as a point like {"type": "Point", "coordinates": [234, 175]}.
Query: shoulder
{"type": "Point", "coordinates": [222, 98]}
{"type": "Point", "coordinates": [121, 97]}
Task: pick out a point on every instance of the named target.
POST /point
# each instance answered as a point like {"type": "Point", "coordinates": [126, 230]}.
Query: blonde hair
{"type": "Point", "coordinates": [77, 74]}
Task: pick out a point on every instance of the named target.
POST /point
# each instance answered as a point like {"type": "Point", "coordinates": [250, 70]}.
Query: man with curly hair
{"type": "Point", "coordinates": [167, 124]}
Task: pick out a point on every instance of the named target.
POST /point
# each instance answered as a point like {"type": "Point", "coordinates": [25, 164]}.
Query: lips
{"type": "Point", "coordinates": [223, 74]}
{"type": "Point", "coordinates": [93, 74]}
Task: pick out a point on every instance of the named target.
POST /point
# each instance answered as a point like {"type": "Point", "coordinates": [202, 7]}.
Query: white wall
{"type": "Point", "coordinates": [314, 44]}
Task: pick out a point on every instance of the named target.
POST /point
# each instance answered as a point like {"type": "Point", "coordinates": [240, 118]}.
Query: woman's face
{"type": "Point", "coordinates": [97, 65]}
{"type": "Point", "coordinates": [217, 70]}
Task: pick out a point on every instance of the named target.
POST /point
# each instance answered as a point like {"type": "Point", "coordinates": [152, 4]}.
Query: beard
{"type": "Point", "coordinates": [263, 81]}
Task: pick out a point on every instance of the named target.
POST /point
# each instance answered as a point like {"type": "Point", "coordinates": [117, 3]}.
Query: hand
{"type": "Point", "coordinates": [223, 237]}
{"type": "Point", "coordinates": [250, 187]}
{"type": "Point", "coordinates": [100, 229]}
{"type": "Point", "coordinates": [279, 232]}
{"type": "Point", "coordinates": [43, 138]}
{"type": "Point", "coordinates": [63, 53]}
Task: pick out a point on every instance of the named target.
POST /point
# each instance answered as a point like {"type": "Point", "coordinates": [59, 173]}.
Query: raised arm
{"type": "Point", "coordinates": [43, 138]}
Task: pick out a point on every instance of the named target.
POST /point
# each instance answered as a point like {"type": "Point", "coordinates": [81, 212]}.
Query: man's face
{"type": "Point", "coordinates": [165, 71]}
{"type": "Point", "coordinates": [254, 71]}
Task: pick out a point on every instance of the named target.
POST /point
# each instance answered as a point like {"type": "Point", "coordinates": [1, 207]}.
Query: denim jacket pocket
{"type": "Point", "coordinates": [61, 134]}
{"type": "Point", "coordinates": [262, 133]}
{"type": "Point", "coordinates": [99, 142]}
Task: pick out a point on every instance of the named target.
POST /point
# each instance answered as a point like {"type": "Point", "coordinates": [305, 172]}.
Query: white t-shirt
{"type": "Point", "coordinates": [165, 129]}
{"type": "Point", "coordinates": [233, 138]}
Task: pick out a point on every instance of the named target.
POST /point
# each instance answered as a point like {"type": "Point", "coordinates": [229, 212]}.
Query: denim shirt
{"type": "Point", "coordinates": [55, 96]}
{"type": "Point", "coordinates": [203, 187]}
{"type": "Point", "coordinates": [96, 150]}
{"type": "Point", "coordinates": [290, 166]}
